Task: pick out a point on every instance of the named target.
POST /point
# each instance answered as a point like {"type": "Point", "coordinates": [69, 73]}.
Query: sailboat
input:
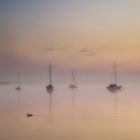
{"type": "Point", "coordinates": [18, 87]}
{"type": "Point", "coordinates": [50, 87]}
{"type": "Point", "coordinates": [73, 85]}
{"type": "Point", "coordinates": [114, 87]}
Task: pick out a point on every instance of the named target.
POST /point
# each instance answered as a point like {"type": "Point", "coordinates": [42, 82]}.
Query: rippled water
{"type": "Point", "coordinates": [89, 113]}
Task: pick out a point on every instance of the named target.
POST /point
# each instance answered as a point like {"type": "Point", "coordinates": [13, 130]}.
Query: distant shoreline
{"type": "Point", "coordinates": [4, 83]}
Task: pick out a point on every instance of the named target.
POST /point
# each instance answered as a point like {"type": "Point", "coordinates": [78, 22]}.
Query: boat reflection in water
{"type": "Point", "coordinates": [114, 89]}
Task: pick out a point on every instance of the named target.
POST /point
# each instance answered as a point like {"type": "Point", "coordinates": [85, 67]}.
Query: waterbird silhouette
{"type": "Point", "coordinates": [29, 115]}
{"type": "Point", "coordinates": [114, 87]}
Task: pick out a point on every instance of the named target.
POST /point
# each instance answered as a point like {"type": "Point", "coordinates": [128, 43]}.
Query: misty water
{"type": "Point", "coordinates": [89, 113]}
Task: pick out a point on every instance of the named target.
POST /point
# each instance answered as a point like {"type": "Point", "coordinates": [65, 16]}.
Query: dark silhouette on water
{"type": "Point", "coordinates": [29, 115]}
{"type": "Point", "coordinates": [19, 84]}
{"type": "Point", "coordinates": [50, 87]}
{"type": "Point", "coordinates": [114, 87]}
{"type": "Point", "coordinates": [73, 85]}
{"type": "Point", "coordinates": [18, 88]}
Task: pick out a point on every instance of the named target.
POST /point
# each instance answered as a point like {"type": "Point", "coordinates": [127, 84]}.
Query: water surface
{"type": "Point", "coordinates": [89, 113]}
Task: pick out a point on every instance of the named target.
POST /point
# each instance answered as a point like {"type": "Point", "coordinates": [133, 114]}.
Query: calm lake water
{"type": "Point", "coordinates": [89, 113]}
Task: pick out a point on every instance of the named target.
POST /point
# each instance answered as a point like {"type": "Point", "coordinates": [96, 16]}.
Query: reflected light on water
{"type": "Point", "coordinates": [87, 113]}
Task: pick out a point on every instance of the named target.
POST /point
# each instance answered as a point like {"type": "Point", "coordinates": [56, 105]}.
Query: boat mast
{"type": "Point", "coordinates": [115, 73]}
{"type": "Point", "coordinates": [50, 72]}
{"type": "Point", "coordinates": [19, 79]}
{"type": "Point", "coordinates": [73, 78]}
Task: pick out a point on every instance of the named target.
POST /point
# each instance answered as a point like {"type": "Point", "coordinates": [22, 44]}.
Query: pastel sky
{"type": "Point", "coordinates": [82, 34]}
